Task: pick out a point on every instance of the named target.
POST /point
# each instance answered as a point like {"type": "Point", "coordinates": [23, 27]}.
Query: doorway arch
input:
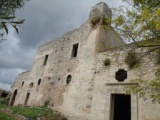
{"type": "Point", "coordinates": [13, 97]}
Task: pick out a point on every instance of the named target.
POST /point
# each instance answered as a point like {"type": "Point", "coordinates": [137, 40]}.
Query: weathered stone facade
{"type": "Point", "coordinates": [70, 74]}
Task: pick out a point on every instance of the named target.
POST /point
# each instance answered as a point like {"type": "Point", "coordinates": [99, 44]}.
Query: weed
{"type": "Point", "coordinates": [107, 62]}
{"type": "Point", "coordinates": [131, 59]}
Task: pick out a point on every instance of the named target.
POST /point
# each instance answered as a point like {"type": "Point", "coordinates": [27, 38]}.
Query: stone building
{"type": "Point", "coordinates": [70, 74]}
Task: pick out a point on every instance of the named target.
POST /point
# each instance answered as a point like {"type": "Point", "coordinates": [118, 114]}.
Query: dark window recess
{"type": "Point", "coordinates": [74, 50]}
{"type": "Point", "coordinates": [68, 80]}
{"type": "Point", "coordinates": [121, 75]}
{"type": "Point", "coordinates": [39, 82]}
{"type": "Point", "coordinates": [4, 94]}
{"type": "Point", "coordinates": [45, 60]}
{"type": "Point", "coordinates": [27, 97]}
{"type": "Point", "coordinates": [13, 98]}
{"type": "Point", "coordinates": [22, 83]}
{"type": "Point", "coordinates": [31, 85]}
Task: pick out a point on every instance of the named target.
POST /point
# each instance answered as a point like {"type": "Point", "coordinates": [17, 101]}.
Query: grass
{"type": "Point", "coordinates": [4, 116]}
{"type": "Point", "coordinates": [32, 113]}
{"type": "Point", "coordinates": [3, 106]}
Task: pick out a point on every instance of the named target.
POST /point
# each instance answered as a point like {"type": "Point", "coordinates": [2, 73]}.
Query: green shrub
{"type": "Point", "coordinates": [131, 59]}
{"type": "Point", "coordinates": [107, 62]}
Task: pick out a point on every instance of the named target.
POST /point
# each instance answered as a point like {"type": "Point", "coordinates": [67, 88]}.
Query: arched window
{"type": "Point", "coordinates": [31, 85]}
{"type": "Point", "coordinates": [68, 79]}
{"type": "Point", "coordinates": [39, 82]}
{"type": "Point", "coordinates": [22, 83]}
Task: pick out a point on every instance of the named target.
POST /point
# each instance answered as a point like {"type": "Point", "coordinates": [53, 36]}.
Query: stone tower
{"type": "Point", "coordinates": [69, 72]}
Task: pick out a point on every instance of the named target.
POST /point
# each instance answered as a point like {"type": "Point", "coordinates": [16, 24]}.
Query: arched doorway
{"type": "Point", "coordinates": [27, 97]}
{"type": "Point", "coordinates": [13, 98]}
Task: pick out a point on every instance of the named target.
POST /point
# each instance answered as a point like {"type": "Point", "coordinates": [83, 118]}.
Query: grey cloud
{"type": "Point", "coordinates": [45, 20]}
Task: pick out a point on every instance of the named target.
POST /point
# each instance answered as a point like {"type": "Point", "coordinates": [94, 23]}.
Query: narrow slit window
{"type": "Point", "coordinates": [22, 83]}
{"type": "Point", "coordinates": [74, 50]}
{"type": "Point", "coordinates": [39, 82]}
{"type": "Point", "coordinates": [45, 60]}
{"type": "Point", "coordinates": [68, 79]}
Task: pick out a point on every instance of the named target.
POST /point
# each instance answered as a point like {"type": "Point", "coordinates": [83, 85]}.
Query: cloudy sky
{"type": "Point", "coordinates": [45, 20]}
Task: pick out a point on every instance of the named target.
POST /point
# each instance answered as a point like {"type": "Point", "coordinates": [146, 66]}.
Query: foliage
{"type": "Point", "coordinates": [146, 87]}
{"type": "Point", "coordinates": [107, 62]}
{"type": "Point", "coordinates": [7, 15]}
{"type": "Point", "coordinates": [4, 116]}
{"type": "Point", "coordinates": [131, 59]}
{"type": "Point", "coordinates": [138, 21]}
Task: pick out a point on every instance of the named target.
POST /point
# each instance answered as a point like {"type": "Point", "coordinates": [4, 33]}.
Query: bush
{"type": "Point", "coordinates": [107, 62]}
{"type": "Point", "coordinates": [131, 59]}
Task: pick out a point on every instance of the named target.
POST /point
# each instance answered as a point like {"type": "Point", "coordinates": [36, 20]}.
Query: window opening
{"type": "Point", "coordinates": [31, 85]}
{"type": "Point", "coordinates": [74, 50]}
{"type": "Point", "coordinates": [45, 60]}
{"type": "Point", "coordinates": [68, 80]}
{"type": "Point", "coordinates": [22, 83]}
{"type": "Point", "coordinates": [39, 82]}
{"type": "Point", "coordinates": [13, 98]}
{"type": "Point", "coordinates": [120, 107]}
{"type": "Point", "coordinates": [121, 75]}
{"type": "Point", "coordinates": [27, 97]}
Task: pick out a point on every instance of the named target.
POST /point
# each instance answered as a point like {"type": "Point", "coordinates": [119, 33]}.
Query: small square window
{"type": "Point", "coordinates": [74, 50]}
{"type": "Point", "coordinates": [45, 60]}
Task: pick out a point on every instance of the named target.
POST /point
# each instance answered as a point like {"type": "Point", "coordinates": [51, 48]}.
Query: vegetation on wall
{"type": "Point", "coordinates": [107, 62]}
{"type": "Point", "coordinates": [46, 103]}
{"type": "Point", "coordinates": [131, 59]}
{"type": "Point", "coordinates": [146, 87]}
